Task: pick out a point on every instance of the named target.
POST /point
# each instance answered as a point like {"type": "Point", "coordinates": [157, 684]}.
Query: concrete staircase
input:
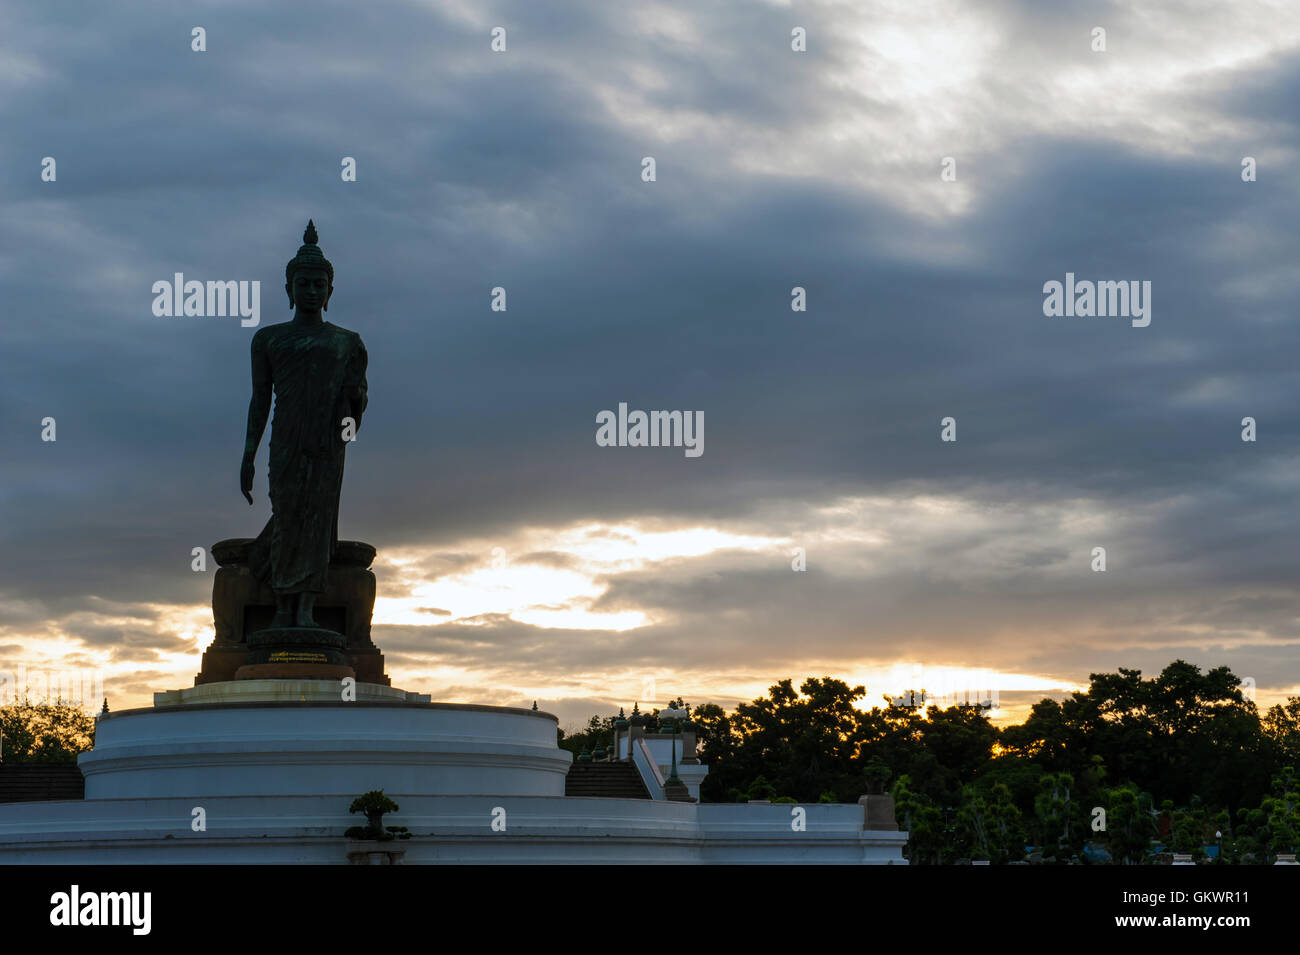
{"type": "Point", "coordinates": [619, 780]}
{"type": "Point", "coordinates": [40, 782]}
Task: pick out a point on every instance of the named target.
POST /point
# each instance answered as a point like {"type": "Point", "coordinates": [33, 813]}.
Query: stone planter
{"type": "Point", "coordinates": [375, 853]}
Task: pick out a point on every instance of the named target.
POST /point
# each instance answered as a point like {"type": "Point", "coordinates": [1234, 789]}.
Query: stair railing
{"type": "Point", "coordinates": [648, 768]}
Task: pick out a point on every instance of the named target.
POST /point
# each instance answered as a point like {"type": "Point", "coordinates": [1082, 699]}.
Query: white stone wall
{"type": "Point", "coordinates": [446, 829]}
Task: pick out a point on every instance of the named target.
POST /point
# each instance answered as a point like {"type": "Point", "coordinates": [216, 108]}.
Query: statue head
{"type": "Point", "coordinates": [309, 276]}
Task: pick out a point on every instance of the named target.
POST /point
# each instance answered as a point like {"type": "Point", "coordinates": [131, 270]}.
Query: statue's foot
{"type": "Point", "coordinates": [283, 620]}
{"type": "Point", "coordinates": [307, 621]}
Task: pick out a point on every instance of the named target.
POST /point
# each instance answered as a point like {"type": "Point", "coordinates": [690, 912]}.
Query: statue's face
{"type": "Point", "coordinates": [311, 289]}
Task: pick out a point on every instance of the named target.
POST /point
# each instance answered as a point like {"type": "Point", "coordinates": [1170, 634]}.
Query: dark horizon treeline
{"type": "Point", "coordinates": [1181, 760]}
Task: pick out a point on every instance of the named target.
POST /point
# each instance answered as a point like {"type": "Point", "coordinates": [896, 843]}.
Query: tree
{"type": "Point", "coordinates": [1181, 733]}
{"type": "Point", "coordinates": [760, 788]}
{"type": "Point", "coordinates": [1185, 737]}
{"type": "Point", "coordinates": [927, 840]}
{"type": "Point", "coordinates": [1188, 829]}
{"type": "Point", "coordinates": [1045, 738]}
{"type": "Point", "coordinates": [960, 740]}
{"type": "Point", "coordinates": [1281, 810]}
{"type": "Point", "coordinates": [44, 732]}
{"type": "Point", "coordinates": [990, 824]}
{"type": "Point", "coordinates": [1054, 812]}
{"type": "Point", "coordinates": [804, 743]}
{"type": "Point", "coordinates": [599, 732]}
{"type": "Point", "coordinates": [374, 804]}
{"type": "Point", "coordinates": [1281, 725]}
{"type": "Point", "coordinates": [1178, 734]}
{"type": "Point", "coordinates": [718, 744]}
{"type": "Point", "coordinates": [1130, 824]}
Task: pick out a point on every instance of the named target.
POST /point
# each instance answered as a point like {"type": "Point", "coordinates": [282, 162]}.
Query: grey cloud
{"type": "Point", "coordinates": [476, 172]}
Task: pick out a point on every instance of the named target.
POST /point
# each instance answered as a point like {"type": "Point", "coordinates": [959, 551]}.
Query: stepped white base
{"type": "Point", "coordinates": [272, 748]}
{"type": "Point", "coordinates": [475, 784]}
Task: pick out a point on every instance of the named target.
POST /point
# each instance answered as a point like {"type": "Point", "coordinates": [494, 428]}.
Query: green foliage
{"type": "Point", "coordinates": [374, 804]}
{"type": "Point", "coordinates": [760, 788]}
{"type": "Point", "coordinates": [598, 732]}
{"type": "Point", "coordinates": [1281, 810]}
{"type": "Point", "coordinates": [928, 842]}
{"type": "Point", "coordinates": [1281, 727]}
{"type": "Point", "coordinates": [714, 733]}
{"type": "Point", "coordinates": [44, 732]}
{"type": "Point", "coordinates": [373, 801]}
{"type": "Point", "coordinates": [1130, 824]}
{"type": "Point", "coordinates": [1189, 828]}
{"type": "Point", "coordinates": [964, 787]}
{"type": "Point", "coordinates": [1056, 816]}
{"type": "Point", "coordinates": [877, 773]}
{"type": "Point", "coordinates": [989, 824]}
{"type": "Point", "coordinates": [818, 740]}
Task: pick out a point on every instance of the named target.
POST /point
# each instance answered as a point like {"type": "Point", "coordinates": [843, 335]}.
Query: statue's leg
{"type": "Point", "coordinates": [306, 601]}
{"type": "Point", "coordinates": [283, 611]}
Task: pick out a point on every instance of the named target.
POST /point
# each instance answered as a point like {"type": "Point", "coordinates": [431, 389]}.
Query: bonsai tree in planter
{"type": "Point", "coordinates": [374, 804]}
{"type": "Point", "coordinates": [877, 774]}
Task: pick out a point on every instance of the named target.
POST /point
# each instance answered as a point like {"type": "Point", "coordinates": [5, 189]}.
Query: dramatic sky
{"type": "Point", "coordinates": [518, 559]}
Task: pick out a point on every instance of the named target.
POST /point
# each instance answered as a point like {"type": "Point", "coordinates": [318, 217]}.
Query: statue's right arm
{"type": "Point", "coordinates": [259, 409]}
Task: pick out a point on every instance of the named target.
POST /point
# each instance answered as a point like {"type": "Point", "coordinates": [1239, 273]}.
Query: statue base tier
{"type": "Point", "coordinates": [294, 671]}
{"type": "Point", "coordinates": [296, 653]}
{"type": "Point", "coordinates": [281, 690]}
{"type": "Point", "coordinates": [243, 608]}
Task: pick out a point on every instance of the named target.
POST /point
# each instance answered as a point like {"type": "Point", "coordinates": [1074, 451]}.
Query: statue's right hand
{"type": "Point", "coordinates": [246, 480]}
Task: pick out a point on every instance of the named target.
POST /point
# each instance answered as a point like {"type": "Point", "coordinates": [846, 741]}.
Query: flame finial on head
{"type": "Point", "coordinates": [309, 255]}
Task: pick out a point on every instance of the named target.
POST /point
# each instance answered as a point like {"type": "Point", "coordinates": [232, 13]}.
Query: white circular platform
{"type": "Point", "coordinates": [315, 747]}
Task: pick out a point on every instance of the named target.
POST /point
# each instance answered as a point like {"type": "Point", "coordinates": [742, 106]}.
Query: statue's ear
{"type": "Point", "coordinates": [328, 293]}
{"type": "Point", "coordinates": [288, 290]}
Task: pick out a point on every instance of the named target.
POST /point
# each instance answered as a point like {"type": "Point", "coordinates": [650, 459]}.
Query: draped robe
{"type": "Point", "coordinates": [319, 378]}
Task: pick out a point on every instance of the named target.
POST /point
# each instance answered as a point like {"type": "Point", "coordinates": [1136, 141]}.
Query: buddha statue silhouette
{"type": "Point", "coordinates": [317, 373]}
